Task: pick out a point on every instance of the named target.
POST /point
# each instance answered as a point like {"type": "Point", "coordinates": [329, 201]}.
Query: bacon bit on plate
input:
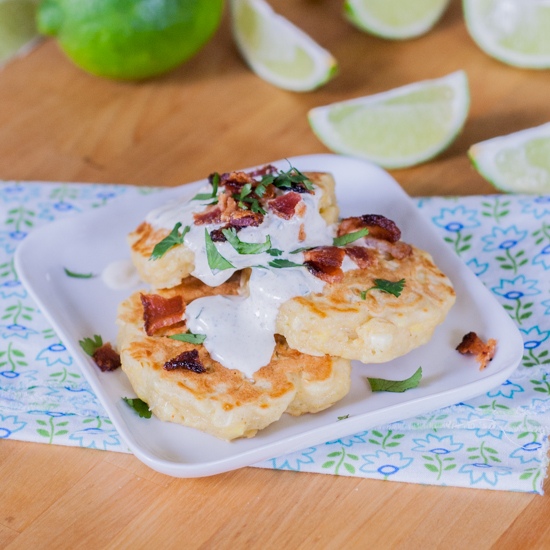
{"type": "Point", "coordinates": [106, 358]}
{"type": "Point", "coordinates": [399, 250]}
{"type": "Point", "coordinates": [159, 312]}
{"type": "Point", "coordinates": [234, 181]}
{"type": "Point", "coordinates": [302, 234]}
{"type": "Point", "coordinates": [379, 227]}
{"type": "Point", "coordinates": [301, 209]}
{"type": "Point", "coordinates": [472, 343]}
{"type": "Point", "coordinates": [363, 257]}
{"type": "Point", "coordinates": [325, 263]}
{"type": "Point", "coordinates": [187, 360]}
{"type": "Point", "coordinates": [284, 206]}
{"type": "Point", "coordinates": [211, 214]}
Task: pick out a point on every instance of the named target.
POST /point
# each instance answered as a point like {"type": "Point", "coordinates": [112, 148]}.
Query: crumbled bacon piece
{"type": "Point", "coordinates": [187, 360]}
{"type": "Point", "coordinates": [399, 250]}
{"type": "Point", "coordinates": [284, 206]}
{"type": "Point", "coordinates": [227, 206]}
{"type": "Point", "coordinates": [379, 227]}
{"type": "Point", "coordinates": [159, 312]}
{"type": "Point", "coordinates": [234, 181]}
{"type": "Point", "coordinates": [267, 169]}
{"type": "Point", "coordinates": [246, 218]}
{"type": "Point", "coordinates": [300, 209]}
{"type": "Point", "coordinates": [363, 257]}
{"type": "Point", "coordinates": [106, 358]}
{"type": "Point", "coordinates": [212, 214]}
{"type": "Point", "coordinates": [302, 234]}
{"type": "Point", "coordinates": [325, 263]}
{"type": "Point", "coordinates": [472, 343]}
{"type": "Point", "coordinates": [217, 235]}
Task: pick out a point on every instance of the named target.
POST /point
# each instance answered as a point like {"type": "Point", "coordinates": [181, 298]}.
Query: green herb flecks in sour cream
{"type": "Point", "coordinates": [395, 288]}
{"type": "Point", "coordinates": [168, 242]}
{"type": "Point", "coordinates": [396, 386]}
{"type": "Point", "coordinates": [215, 259]}
{"type": "Point", "coordinates": [350, 237]}
{"type": "Point", "coordinates": [245, 248]}
{"type": "Point", "coordinates": [283, 263]}
{"type": "Point", "coordinates": [189, 337]}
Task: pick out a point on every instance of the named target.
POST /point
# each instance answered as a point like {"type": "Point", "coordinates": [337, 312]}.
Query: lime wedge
{"type": "Point", "coordinates": [396, 19]}
{"type": "Point", "coordinates": [278, 51]}
{"type": "Point", "coordinates": [516, 32]}
{"type": "Point", "coordinates": [398, 128]}
{"type": "Point", "coordinates": [518, 163]}
{"type": "Point", "coordinates": [17, 27]}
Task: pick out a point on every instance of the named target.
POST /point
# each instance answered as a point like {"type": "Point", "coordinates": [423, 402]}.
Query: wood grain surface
{"type": "Point", "coordinates": [58, 123]}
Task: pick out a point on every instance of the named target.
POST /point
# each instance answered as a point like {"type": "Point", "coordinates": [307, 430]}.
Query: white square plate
{"type": "Point", "coordinates": [77, 308]}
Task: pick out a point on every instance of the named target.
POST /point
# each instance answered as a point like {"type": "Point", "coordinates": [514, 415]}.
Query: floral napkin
{"type": "Point", "coordinates": [496, 441]}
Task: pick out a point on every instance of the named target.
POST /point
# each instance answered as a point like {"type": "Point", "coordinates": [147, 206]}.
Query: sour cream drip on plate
{"type": "Point", "coordinates": [240, 331]}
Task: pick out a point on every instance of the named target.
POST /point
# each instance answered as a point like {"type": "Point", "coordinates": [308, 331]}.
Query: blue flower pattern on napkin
{"type": "Point", "coordinates": [496, 441]}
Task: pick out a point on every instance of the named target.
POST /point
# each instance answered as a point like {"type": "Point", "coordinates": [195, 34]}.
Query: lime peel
{"type": "Point", "coordinates": [397, 128]}
{"type": "Point", "coordinates": [518, 162]}
{"type": "Point", "coordinates": [278, 51]}
{"type": "Point", "coordinates": [515, 32]}
{"type": "Point", "coordinates": [18, 32]}
{"type": "Point", "coordinates": [395, 19]}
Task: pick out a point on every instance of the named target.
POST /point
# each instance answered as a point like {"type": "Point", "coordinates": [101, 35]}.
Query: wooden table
{"type": "Point", "coordinates": [58, 123]}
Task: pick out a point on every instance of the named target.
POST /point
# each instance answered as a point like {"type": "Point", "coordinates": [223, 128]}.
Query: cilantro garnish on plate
{"type": "Point", "coordinates": [208, 196]}
{"type": "Point", "coordinates": [90, 345]}
{"type": "Point", "coordinates": [215, 259]}
{"type": "Point", "coordinates": [139, 406]}
{"type": "Point", "coordinates": [162, 247]}
{"type": "Point", "coordinates": [78, 275]}
{"type": "Point", "coordinates": [245, 248]}
{"type": "Point", "coordinates": [396, 386]}
{"type": "Point", "coordinates": [350, 237]}
{"type": "Point", "coordinates": [189, 337]}
{"type": "Point", "coordinates": [395, 288]}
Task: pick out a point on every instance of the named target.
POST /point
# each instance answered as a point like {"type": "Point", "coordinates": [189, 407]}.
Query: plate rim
{"type": "Point", "coordinates": [293, 442]}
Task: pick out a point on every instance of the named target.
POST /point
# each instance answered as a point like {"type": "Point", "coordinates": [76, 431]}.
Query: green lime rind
{"type": "Point", "coordinates": [395, 19]}
{"type": "Point", "coordinates": [522, 37]}
{"type": "Point", "coordinates": [398, 128]}
{"type": "Point", "coordinates": [516, 163]}
{"type": "Point", "coordinates": [18, 30]}
{"type": "Point", "coordinates": [278, 51]}
{"type": "Point", "coordinates": [128, 40]}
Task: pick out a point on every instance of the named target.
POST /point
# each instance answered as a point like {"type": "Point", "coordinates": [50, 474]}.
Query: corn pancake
{"type": "Point", "coordinates": [178, 262]}
{"type": "Point", "coordinates": [379, 328]}
{"type": "Point", "coordinates": [220, 401]}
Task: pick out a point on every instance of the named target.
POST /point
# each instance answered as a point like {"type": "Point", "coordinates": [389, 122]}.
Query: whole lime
{"type": "Point", "coordinates": [129, 39]}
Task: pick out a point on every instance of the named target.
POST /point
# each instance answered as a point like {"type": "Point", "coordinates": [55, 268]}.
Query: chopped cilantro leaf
{"type": "Point", "coordinates": [139, 406]}
{"type": "Point", "coordinates": [397, 386]}
{"type": "Point", "coordinates": [168, 242]}
{"type": "Point", "coordinates": [90, 345]}
{"type": "Point", "coordinates": [245, 248]}
{"type": "Point", "coordinates": [350, 237]}
{"type": "Point", "coordinates": [274, 252]}
{"type": "Point", "coordinates": [189, 337]}
{"type": "Point", "coordinates": [78, 275]}
{"type": "Point", "coordinates": [206, 196]}
{"type": "Point", "coordinates": [395, 288]}
{"type": "Point", "coordinates": [303, 249]}
{"type": "Point", "coordinates": [215, 259]}
{"type": "Point", "coordinates": [283, 263]}
{"type": "Point", "coordinates": [343, 417]}
{"type": "Point", "coordinates": [285, 180]}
